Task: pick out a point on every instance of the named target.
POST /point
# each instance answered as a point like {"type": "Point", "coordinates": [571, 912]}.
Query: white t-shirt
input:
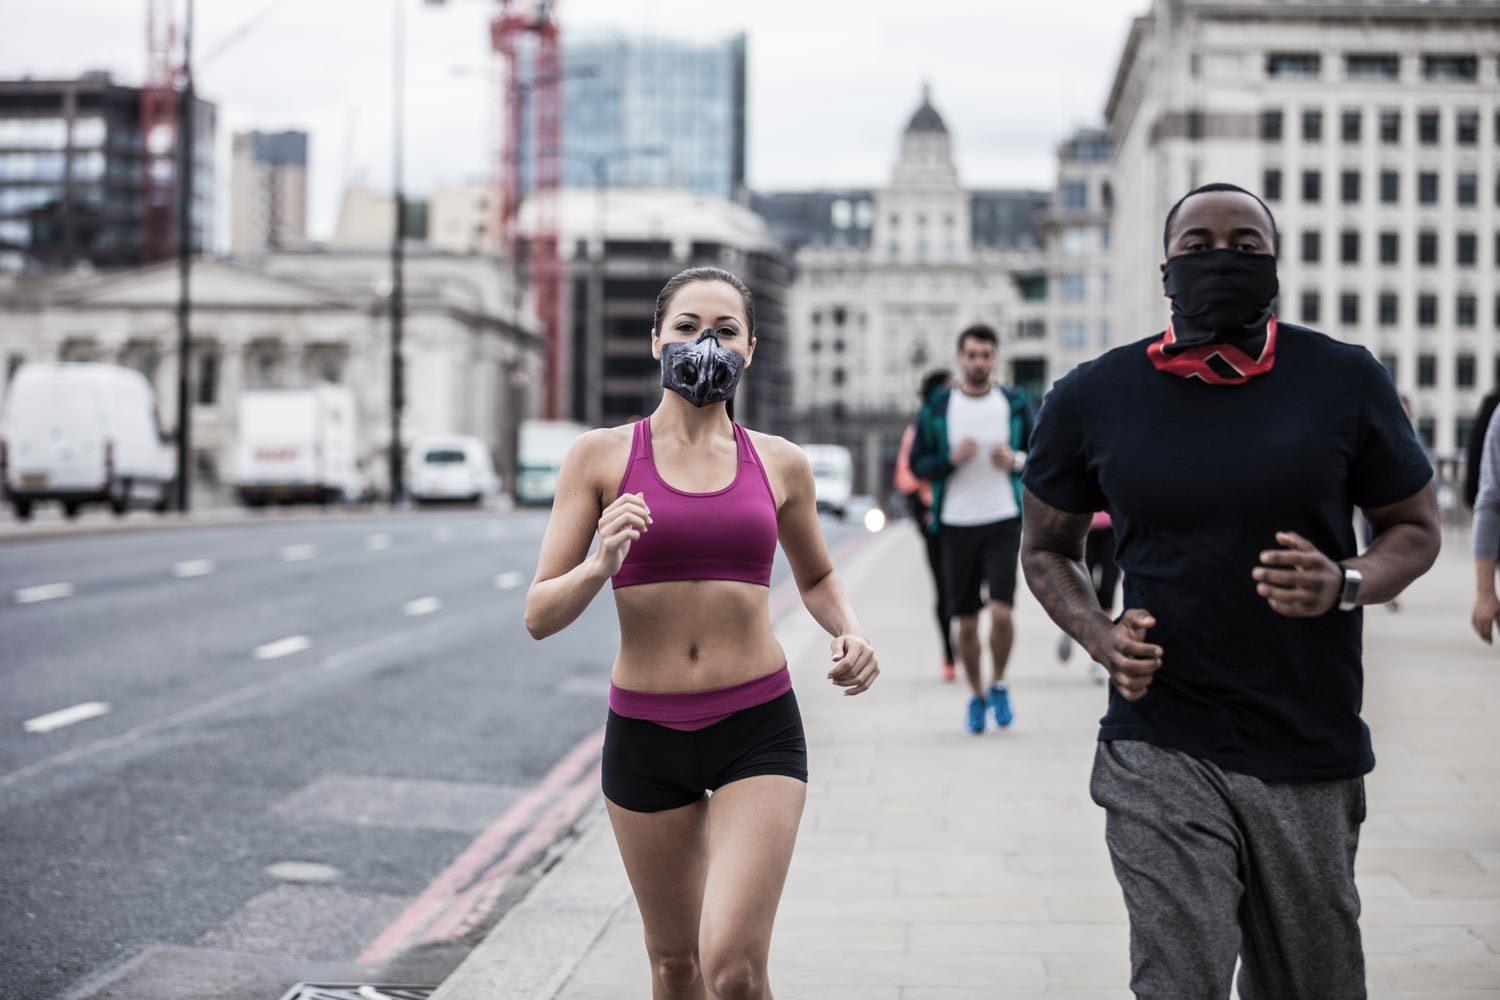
{"type": "Point", "coordinates": [977, 492]}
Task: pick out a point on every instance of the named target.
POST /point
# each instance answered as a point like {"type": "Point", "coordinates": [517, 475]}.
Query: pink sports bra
{"type": "Point", "coordinates": [728, 534]}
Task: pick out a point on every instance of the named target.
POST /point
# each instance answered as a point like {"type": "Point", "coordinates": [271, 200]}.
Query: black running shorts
{"type": "Point", "coordinates": [980, 554]}
{"type": "Point", "coordinates": [649, 767]}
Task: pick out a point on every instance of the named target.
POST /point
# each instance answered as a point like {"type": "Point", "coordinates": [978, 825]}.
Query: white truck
{"type": "Point", "coordinates": [79, 433]}
{"type": "Point", "coordinates": [542, 447]}
{"type": "Point", "coordinates": [296, 446]}
{"type": "Point", "coordinates": [833, 476]}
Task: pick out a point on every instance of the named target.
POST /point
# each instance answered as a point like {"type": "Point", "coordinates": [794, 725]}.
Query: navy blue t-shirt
{"type": "Point", "coordinates": [1198, 479]}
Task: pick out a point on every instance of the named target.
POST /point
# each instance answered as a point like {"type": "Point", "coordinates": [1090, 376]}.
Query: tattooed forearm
{"type": "Point", "coordinates": [1052, 559]}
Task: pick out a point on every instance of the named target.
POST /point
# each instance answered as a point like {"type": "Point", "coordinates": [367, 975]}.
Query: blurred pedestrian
{"type": "Point", "coordinates": [1474, 448]}
{"type": "Point", "coordinates": [1104, 575]}
{"type": "Point", "coordinates": [1230, 451]}
{"type": "Point", "coordinates": [971, 444]}
{"type": "Point", "coordinates": [689, 507]}
{"type": "Point", "coordinates": [918, 494]}
{"type": "Point", "coordinates": [1487, 532]}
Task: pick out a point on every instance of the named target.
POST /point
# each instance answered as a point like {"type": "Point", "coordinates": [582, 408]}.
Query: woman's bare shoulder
{"type": "Point", "coordinates": [776, 452]}
{"type": "Point", "coordinates": [601, 455]}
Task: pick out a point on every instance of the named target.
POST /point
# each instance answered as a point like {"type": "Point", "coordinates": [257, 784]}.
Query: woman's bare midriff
{"type": "Point", "coordinates": [692, 635]}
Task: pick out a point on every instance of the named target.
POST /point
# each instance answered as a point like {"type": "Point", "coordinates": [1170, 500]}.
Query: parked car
{"type": "Point", "coordinates": [833, 476]}
{"type": "Point", "coordinates": [80, 433]}
{"type": "Point", "coordinates": [450, 468]}
{"type": "Point", "coordinates": [543, 445]}
{"type": "Point", "coordinates": [296, 446]}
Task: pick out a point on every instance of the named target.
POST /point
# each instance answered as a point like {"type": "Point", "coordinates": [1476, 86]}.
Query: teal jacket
{"type": "Point", "coordinates": [930, 448]}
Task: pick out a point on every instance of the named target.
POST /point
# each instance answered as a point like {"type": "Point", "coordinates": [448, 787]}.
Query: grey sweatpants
{"type": "Point", "coordinates": [1217, 866]}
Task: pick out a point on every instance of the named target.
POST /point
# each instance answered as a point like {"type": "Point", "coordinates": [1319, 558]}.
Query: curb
{"type": "Point", "coordinates": [534, 949]}
{"type": "Point", "coordinates": [12, 533]}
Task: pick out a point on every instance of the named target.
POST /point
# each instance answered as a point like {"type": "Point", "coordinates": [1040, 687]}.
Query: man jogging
{"type": "Point", "coordinates": [971, 445]}
{"type": "Point", "coordinates": [1231, 451]}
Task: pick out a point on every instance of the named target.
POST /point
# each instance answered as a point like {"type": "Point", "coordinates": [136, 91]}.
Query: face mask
{"type": "Point", "coordinates": [701, 372]}
{"type": "Point", "coordinates": [1219, 296]}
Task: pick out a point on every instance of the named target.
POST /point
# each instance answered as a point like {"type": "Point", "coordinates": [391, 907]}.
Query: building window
{"type": "Point", "coordinates": [1270, 185]}
{"type": "Point", "coordinates": [1310, 303]}
{"type": "Point", "coordinates": [1349, 246]}
{"type": "Point", "coordinates": [1072, 287]}
{"type": "Point", "coordinates": [1427, 188]}
{"type": "Point", "coordinates": [1312, 246]}
{"type": "Point", "coordinates": [1387, 307]}
{"type": "Point", "coordinates": [1293, 65]}
{"type": "Point", "coordinates": [1466, 310]}
{"type": "Point", "coordinates": [1349, 187]}
{"type": "Point", "coordinates": [1390, 126]}
{"type": "Point", "coordinates": [208, 378]}
{"type": "Point", "coordinates": [1075, 195]}
{"type": "Point", "coordinates": [1427, 247]}
{"type": "Point", "coordinates": [1390, 248]}
{"type": "Point", "coordinates": [1427, 309]}
{"type": "Point", "coordinates": [1463, 375]}
{"type": "Point", "coordinates": [1312, 186]}
{"type": "Point", "coordinates": [1371, 66]}
{"type": "Point", "coordinates": [1270, 126]}
{"type": "Point", "coordinates": [1388, 361]}
{"type": "Point", "coordinates": [1451, 67]}
{"type": "Point", "coordinates": [1390, 187]}
{"type": "Point", "coordinates": [1466, 189]}
{"type": "Point", "coordinates": [1427, 127]}
{"type": "Point", "coordinates": [837, 376]}
{"type": "Point", "coordinates": [1312, 125]}
{"type": "Point", "coordinates": [1426, 370]}
{"type": "Point", "coordinates": [1348, 309]}
{"type": "Point", "coordinates": [1427, 428]}
{"type": "Point", "coordinates": [839, 315]}
{"type": "Point", "coordinates": [1466, 128]}
{"type": "Point", "coordinates": [1467, 249]}
{"type": "Point", "coordinates": [1350, 124]}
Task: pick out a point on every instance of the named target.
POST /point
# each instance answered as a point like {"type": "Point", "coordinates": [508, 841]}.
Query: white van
{"type": "Point", "coordinates": [542, 447]}
{"type": "Point", "coordinates": [296, 445]}
{"type": "Point", "coordinates": [833, 476]}
{"type": "Point", "coordinates": [451, 468]}
{"type": "Point", "coordinates": [80, 433]}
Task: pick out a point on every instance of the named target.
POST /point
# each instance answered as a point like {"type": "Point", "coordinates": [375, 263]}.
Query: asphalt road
{"type": "Point", "coordinates": [356, 693]}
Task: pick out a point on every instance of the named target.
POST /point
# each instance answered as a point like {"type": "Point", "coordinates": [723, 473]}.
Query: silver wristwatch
{"type": "Point", "coordinates": [1349, 592]}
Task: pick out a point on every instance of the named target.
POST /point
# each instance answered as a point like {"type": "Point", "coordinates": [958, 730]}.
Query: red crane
{"type": "Point", "coordinates": [159, 133]}
{"type": "Point", "coordinates": [514, 21]}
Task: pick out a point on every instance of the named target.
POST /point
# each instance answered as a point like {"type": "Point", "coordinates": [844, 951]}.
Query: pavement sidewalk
{"type": "Point", "coordinates": [934, 865]}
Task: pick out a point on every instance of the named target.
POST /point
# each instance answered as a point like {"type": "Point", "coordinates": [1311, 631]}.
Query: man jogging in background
{"type": "Point", "coordinates": [1231, 451]}
{"type": "Point", "coordinates": [1487, 530]}
{"type": "Point", "coordinates": [971, 445]}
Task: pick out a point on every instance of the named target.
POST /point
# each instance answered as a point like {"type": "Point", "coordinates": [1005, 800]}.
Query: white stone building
{"type": "Point", "coordinates": [1372, 128]}
{"type": "Point", "coordinates": [1077, 235]}
{"type": "Point", "coordinates": [293, 319]}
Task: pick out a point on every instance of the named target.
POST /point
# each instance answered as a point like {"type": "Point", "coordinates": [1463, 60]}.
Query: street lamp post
{"type": "Point", "coordinates": [398, 292]}
{"type": "Point", "coordinates": [185, 122]}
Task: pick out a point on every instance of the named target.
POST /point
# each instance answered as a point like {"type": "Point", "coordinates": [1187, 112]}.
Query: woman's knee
{"type": "Point", "coordinates": [675, 971]}
{"type": "Point", "coordinates": [735, 976]}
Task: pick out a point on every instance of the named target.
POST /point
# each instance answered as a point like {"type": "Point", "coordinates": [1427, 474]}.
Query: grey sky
{"type": "Point", "coordinates": [831, 81]}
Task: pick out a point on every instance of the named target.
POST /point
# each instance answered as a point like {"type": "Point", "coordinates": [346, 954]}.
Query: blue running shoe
{"type": "Point", "coordinates": [1000, 705]}
{"type": "Point", "coordinates": [976, 715]}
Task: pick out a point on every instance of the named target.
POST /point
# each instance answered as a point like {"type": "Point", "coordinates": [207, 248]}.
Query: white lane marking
{"type": "Point", "coordinates": [441, 534]}
{"type": "Point", "coordinates": [303, 871]}
{"type": "Point", "coordinates": [282, 647]}
{"type": "Point", "coordinates": [297, 553]}
{"type": "Point", "coordinates": [378, 542]}
{"type": "Point", "coordinates": [421, 606]}
{"type": "Point", "coordinates": [65, 717]}
{"type": "Point", "coordinates": [43, 592]}
{"type": "Point", "coordinates": [193, 567]}
{"type": "Point", "coordinates": [505, 581]}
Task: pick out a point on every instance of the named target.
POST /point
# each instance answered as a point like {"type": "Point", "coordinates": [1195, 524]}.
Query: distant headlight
{"type": "Point", "coordinates": [874, 519]}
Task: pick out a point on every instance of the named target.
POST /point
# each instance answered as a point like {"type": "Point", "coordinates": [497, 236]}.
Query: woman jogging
{"type": "Point", "coordinates": [689, 508]}
{"type": "Point", "coordinates": [918, 493]}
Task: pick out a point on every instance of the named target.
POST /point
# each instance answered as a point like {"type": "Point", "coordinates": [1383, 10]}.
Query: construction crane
{"type": "Point", "coordinates": [515, 20]}
{"type": "Point", "coordinates": [158, 127]}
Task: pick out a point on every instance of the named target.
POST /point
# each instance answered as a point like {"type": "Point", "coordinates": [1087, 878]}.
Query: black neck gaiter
{"type": "Point", "coordinates": [1220, 297]}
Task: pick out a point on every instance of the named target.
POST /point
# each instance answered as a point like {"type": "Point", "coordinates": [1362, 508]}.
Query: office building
{"type": "Point", "coordinates": [268, 191]}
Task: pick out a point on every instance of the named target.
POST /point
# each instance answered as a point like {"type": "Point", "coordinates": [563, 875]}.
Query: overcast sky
{"type": "Point", "coordinates": [831, 81]}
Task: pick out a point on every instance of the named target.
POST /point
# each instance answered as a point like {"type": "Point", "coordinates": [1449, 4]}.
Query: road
{"type": "Point", "coordinates": [250, 747]}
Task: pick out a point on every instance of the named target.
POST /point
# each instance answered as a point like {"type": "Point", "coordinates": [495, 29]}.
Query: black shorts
{"type": "Point", "coordinates": [981, 553]}
{"type": "Point", "coordinates": [650, 767]}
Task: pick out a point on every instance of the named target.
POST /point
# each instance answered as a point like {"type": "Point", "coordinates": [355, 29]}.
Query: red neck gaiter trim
{"type": "Point", "coordinates": [1234, 366]}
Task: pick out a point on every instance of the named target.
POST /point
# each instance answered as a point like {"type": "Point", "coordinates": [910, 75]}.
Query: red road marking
{"type": "Point", "coordinates": [469, 865]}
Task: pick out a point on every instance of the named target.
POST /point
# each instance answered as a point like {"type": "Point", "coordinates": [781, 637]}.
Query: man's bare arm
{"type": "Point", "coordinates": [1052, 559]}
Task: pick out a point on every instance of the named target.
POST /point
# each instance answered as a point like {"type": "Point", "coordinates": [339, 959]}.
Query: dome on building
{"type": "Point", "coordinates": [926, 117]}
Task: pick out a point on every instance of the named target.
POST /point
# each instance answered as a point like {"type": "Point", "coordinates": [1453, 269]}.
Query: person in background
{"type": "Point", "coordinates": [1487, 531]}
{"type": "Point", "coordinates": [918, 493]}
{"type": "Point", "coordinates": [971, 444]}
{"type": "Point", "coordinates": [1474, 451]}
{"type": "Point", "coordinates": [1104, 573]}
